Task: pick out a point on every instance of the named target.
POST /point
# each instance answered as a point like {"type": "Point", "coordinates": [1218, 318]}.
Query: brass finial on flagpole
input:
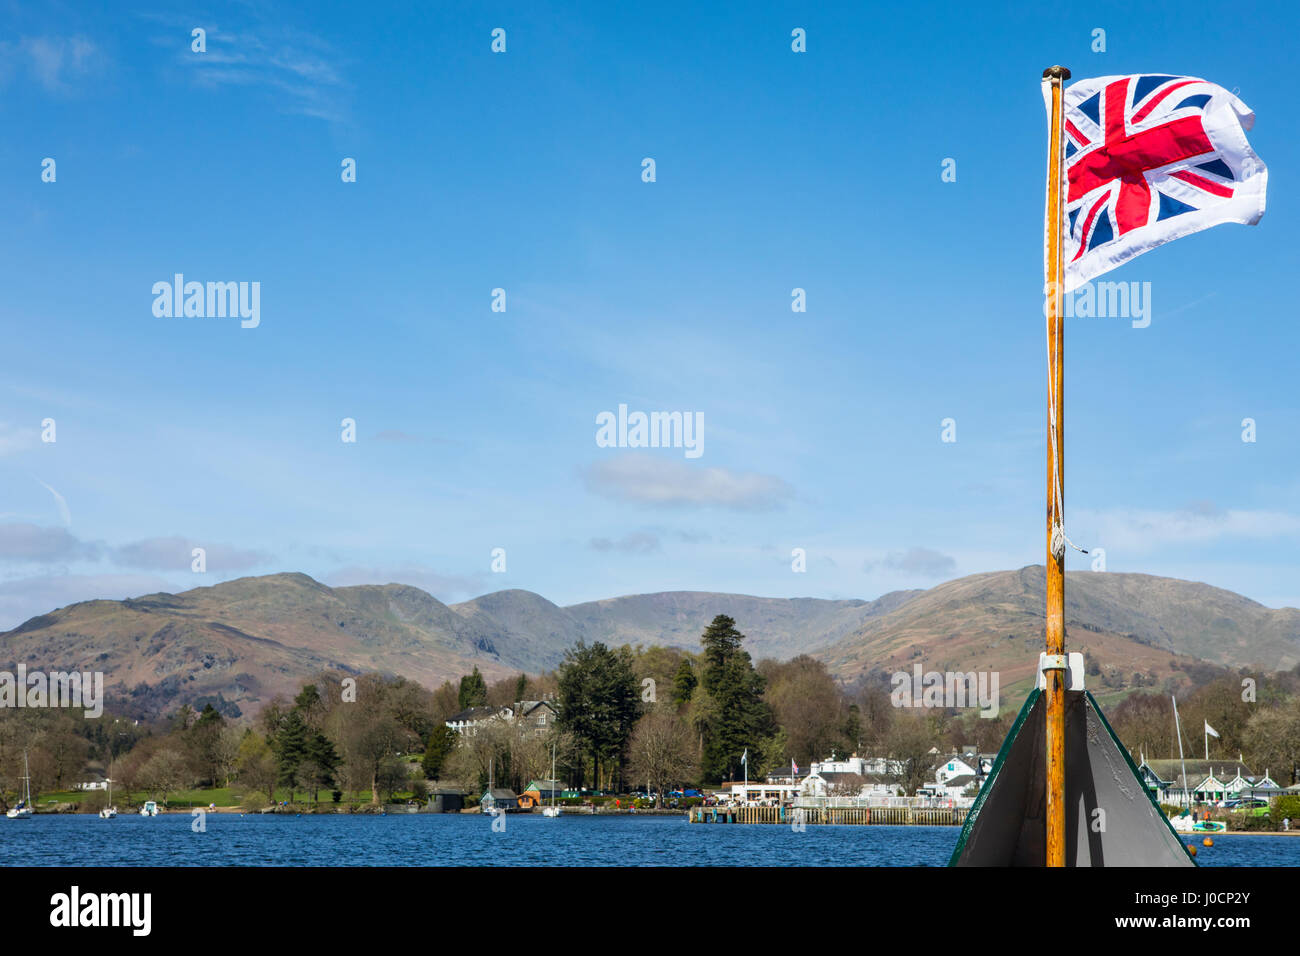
{"type": "Point", "coordinates": [1054, 668]}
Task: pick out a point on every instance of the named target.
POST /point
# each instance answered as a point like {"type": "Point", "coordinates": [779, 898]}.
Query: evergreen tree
{"type": "Point", "coordinates": [322, 759]}
{"type": "Point", "coordinates": [599, 702]}
{"type": "Point", "coordinates": [309, 704]}
{"type": "Point", "coordinates": [202, 741]}
{"type": "Point", "coordinates": [473, 690]}
{"type": "Point", "coordinates": [684, 683]}
{"type": "Point", "coordinates": [739, 719]}
{"type": "Point", "coordinates": [521, 687]}
{"type": "Point", "coordinates": [442, 741]}
{"type": "Point", "coordinates": [721, 641]}
{"type": "Point", "coordinates": [290, 749]}
{"type": "Point", "coordinates": [853, 729]}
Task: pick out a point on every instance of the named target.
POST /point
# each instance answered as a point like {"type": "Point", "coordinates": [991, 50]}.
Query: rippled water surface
{"type": "Point", "coordinates": [528, 840]}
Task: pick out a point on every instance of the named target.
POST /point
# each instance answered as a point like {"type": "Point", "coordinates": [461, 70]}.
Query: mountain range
{"type": "Point", "coordinates": [240, 642]}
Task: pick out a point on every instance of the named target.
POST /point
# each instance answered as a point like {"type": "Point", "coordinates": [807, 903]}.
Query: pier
{"type": "Point", "coordinates": [833, 815]}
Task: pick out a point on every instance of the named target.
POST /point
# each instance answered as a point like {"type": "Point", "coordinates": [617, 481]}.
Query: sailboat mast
{"type": "Point", "coordinates": [1054, 666]}
{"type": "Point", "coordinates": [1178, 731]}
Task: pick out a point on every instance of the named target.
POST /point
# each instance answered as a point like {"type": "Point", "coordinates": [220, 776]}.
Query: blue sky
{"type": "Point", "coordinates": [523, 171]}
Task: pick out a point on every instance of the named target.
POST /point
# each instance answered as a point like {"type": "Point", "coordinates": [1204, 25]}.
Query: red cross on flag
{"type": "Point", "coordinates": [1150, 158]}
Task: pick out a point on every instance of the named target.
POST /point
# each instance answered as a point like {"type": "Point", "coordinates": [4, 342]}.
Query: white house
{"type": "Point", "coordinates": [955, 766]}
{"type": "Point", "coordinates": [837, 783]}
{"type": "Point", "coordinates": [468, 721]}
{"type": "Point", "coordinates": [538, 716]}
{"type": "Point", "coordinates": [860, 766]}
{"type": "Point", "coordinates": [959, 776]}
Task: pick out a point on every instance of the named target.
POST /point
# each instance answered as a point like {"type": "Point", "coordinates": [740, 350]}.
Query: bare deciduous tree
{"type": "Point", "coordinates": [663, 750]}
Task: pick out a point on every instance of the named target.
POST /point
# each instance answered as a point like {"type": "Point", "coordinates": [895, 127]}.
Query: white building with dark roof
{"type": "Point", "coordinates": [538, 716]}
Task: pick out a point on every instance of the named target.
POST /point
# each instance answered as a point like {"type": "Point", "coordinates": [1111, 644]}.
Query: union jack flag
{"type": "Point", "coordinates": [1150, 158]}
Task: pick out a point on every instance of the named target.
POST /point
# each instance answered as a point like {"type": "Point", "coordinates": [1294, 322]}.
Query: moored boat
{"type": "Point", "coordinates": [1184, 823]}
{"type": "Point", "coordinates": [110, 811]}
{"type": "Point", "coordinates": [552, 810]}
{"type": "Point", "coordinates": [23, 809]}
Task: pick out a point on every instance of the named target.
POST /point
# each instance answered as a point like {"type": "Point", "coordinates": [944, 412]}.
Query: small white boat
{"type": "Point", "coordinates": [23, 811]}
{"type": "Point", "coordinates": [150, 809]}
{"type": "Point", "coordinates": [552, 810]}
{"type": "Point", "coordinates": [110, 811]}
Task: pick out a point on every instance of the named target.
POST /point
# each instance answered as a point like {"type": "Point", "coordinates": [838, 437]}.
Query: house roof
{"type": "Point", "coordinates": [501, 794]}
{"type": "Point", "coordinates": [1264, 783]}
{"type": "Point", "coordinates": [525, 708]}
{"type": "Point", "coordinates": [956, 758]}
{"type": "Point", "coordinates": [961, 780]}
{"type": "Point", "coordinates": [475, 713]}
{"type": "Point", "coordinates": [835, 776]}
{"type": "Point", "coordinates": [1169, 770]}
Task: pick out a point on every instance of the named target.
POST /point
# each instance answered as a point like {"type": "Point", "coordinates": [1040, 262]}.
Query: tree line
{"type": "Point", "coordinates": [627, 717]}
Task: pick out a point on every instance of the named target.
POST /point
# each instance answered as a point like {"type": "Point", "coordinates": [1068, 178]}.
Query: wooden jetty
{"type": "Point", "coordinates": [850, 816]}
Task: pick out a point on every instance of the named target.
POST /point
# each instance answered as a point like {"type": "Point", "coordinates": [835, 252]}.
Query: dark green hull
{"type": "Point", "coordinates": [1006, 826]}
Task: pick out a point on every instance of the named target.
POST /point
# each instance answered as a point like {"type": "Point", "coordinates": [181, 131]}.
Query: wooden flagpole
{"type": "Point", "coordinates": [1055, 671]}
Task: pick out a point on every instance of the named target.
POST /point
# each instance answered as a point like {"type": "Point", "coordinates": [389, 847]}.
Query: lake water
{"type": "Point", "coordinates": [528, 840]}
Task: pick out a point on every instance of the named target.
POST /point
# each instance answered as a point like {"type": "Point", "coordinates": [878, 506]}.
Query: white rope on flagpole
{"type": "Point", "coordinates": [1059, 538]}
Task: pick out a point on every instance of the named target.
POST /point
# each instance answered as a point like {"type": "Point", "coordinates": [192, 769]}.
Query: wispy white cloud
{"type": "Point", "coordinates": [636, 542]}
{"type": "Point", "coordinates": [175, 554]}
{"type": "Point", "coordinates": [60, 502]}
{"type": "Point", "coordinates": [916, 562]}
{"type": "Point", "coordinates": [297, 68]}
{"type": "Point", "coordinates": [1135, 530]}
{"type": "Point", "coordinates": [23, 543]}
{"type": "Point", "coordinates": [26, 543]}
{"type": "Point", "coordinates": [60, 64]}
{"type": "Point", "coordinates": [669, 483]}
{"type": "Point", "coordinates": [14, 440]}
